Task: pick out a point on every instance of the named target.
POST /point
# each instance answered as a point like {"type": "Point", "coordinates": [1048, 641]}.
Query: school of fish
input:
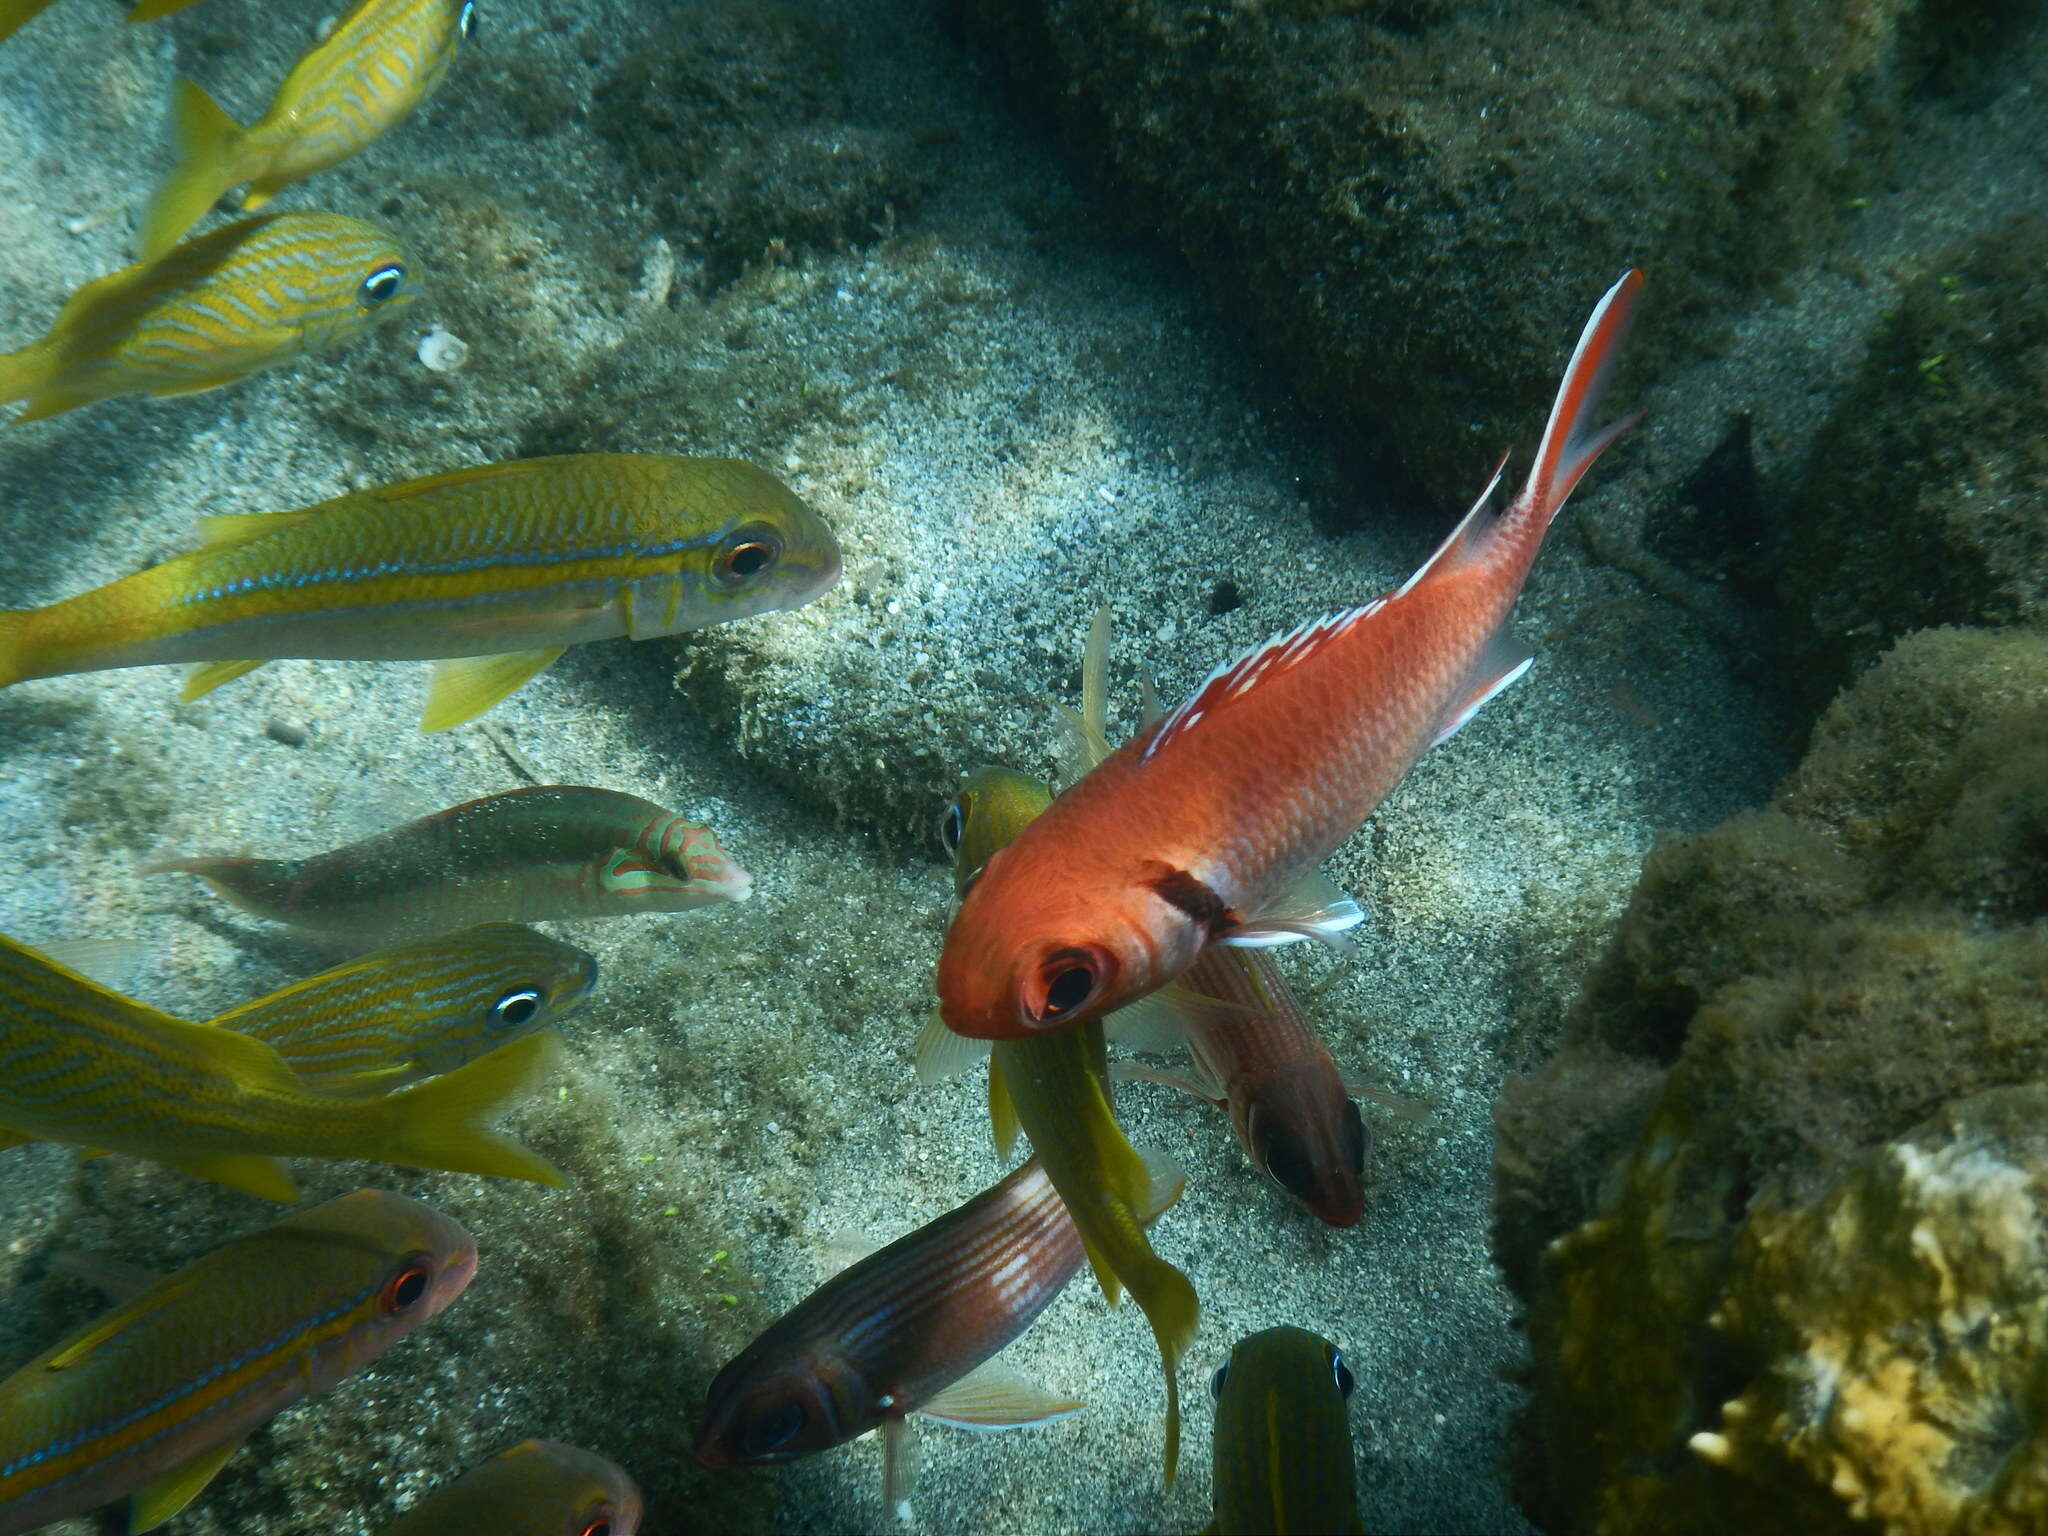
{"type": "Point", "coordinates": [1133, 907]}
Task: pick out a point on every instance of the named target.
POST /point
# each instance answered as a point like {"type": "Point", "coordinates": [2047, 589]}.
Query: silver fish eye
{"type": "Point", "coordinates": [952, 828]}
{"type": "Point", "coordinates": [515, 1008]}
{"type": "Point", "coordinates": [466, 22]}
{"type": "Point", "coordinates": [381, 286]}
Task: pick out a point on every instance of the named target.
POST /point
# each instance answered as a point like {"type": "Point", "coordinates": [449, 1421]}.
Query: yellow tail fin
{"type": "Point", "coordinates": [150, 10]}
{"type": "Point", "coordinates": [440, 1124]}
{"type": "Point", "coordinates": [14, 14]}
{"type": "Point", "coordinates": [206, 141]}
{"type": "Point", "coordinates": [15, 645]}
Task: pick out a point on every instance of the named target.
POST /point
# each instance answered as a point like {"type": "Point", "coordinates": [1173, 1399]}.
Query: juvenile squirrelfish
{"type": "Point", "coordinates": [1198, 828]}
{"type": "Point", "coordinates": [238, 299]}
{"type": "Point", "coordinates": [383, 58]}
{"type": "Point", "coordinates": [549, 852]}
{"type": "Point", "coordinates": [906, 1330]}
{"type": "Point", "coordinates": [154, 1397]}
{"type": "Point", "coordinates": [537, 1488]}
{"type": "Point", "coordinates": [495, 571]}
{"type": "Point", "coordinates": [87, 1066]}
{"type": "Point", "coordinates": [1283, 1446]}
{"type": "Point", "coordinates": [15, 13]}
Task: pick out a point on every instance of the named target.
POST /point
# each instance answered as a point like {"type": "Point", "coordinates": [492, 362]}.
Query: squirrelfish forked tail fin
{"type": "Point", "coordinates": [441, 1123]}
{"type": "Point", "coordinates": [15, 14]}
{"type": "Point", "coordinates": [205, 140]}
{"type": "Point", "coordinates": [1570, 440]}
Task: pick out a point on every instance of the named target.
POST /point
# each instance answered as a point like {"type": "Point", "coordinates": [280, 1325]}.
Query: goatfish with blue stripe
{"type": "Point", "coordinates": [381, 60]}
{"type": "Point", "coordinates": [247, 296]}
{"type": "Point", "coordinates": [537, 1488]}
{"type": "Point", "coordinates": [492, 571]}
{"type": "Point", "coordinates": [14, 14]}
{"type": "Point", "coordinates": [82, 1064]}
{"type": "Point", "coordinates": [551, 851]}
{"type": "Point", "coordinates": [156, 1396]}
{"type": "Point", "coordinates": [1283, 1440]}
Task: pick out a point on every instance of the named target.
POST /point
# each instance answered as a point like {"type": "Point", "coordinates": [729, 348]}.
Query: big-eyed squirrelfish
{"type": "Point", "coordinates": [494, 571]}
{"type": "Point", "coordinates": [1199, 828]}
{"type": "Point", "coordinates": [528, 855]}
{"type": "Point", "coordinates": [82, 1064]}
{"type": "Point", "coordinates": [1283, 1446]}
{"type": "Point", "coordinates": [154, 1397]}
{"type": "Point", "coordinates": [537, 1488]}
{"type": "Point", "coordinates": [382, 59]}
{"type": "Point", "coordinates": [241, 298]}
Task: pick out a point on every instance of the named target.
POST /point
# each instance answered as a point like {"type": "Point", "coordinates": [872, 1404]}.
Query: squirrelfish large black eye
{"type": "Point", "coordinates": [466, 24]}
{"type": "Point", "coordinates": [381, 286]}
{"type": "Point", "coordinates": [770, 1433]}
{"type": "Point", "coordinates": [598, 1527]}
{"type": "Point", "coordinates": [1216, 1381]}
{"type": "Point", "coordinates": [515, 1008]}
{"type": "Point", "coordinates": [1287, 1161]}
{"type": "Point", "coordinates": [748, 555]}
{"type": "Point", "coordinates": [1357, 1139]}
{"type": "Point", "coordinates": [408, 1283]}
{"type": "Point", "coordinates": [1340, 1374]}
{"type": "Point", "coordinates": [1068, 988]}
{"type": "Point", "coordinates": [954, 826]}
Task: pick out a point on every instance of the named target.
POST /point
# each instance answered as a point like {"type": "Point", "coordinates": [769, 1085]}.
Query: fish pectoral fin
{"type": "Point", "coordinates": [224, 530]}
{"type": "Point", "coordinates": [899, 1460]}
{"type": "Point", "coordinates": [464, 687]}
{"type": "Point", "coordinates": [1313, 908]}
{"type": "Point", "coordinates": [1003, 1124]}
{"type": "Point", "coordinates": [371, 1083]}
{"type": "Point", "coordinates": [844, 1249]}
{"type": "Point", "coordinates": [1162, 1021]}
{"type": "Point", "coordinates": [114, 1324]}
{"type": "Point", "coordinates": [263, 1177]}
{"type": "Point", "coordinates": [202, 679]}
{"type": "Point", "coordinates": [1135, 1072]}
{"type": "Point", "coordinates": [1500, 664]}
{"type": "Point", "coordinates": [941, 1054]}
{"type": "Point", "coordinates": [1165, 1183]}
{"type": "Point", "coordinates": [1414, 1111]}
{"type": "Point", "coordinates": [993, 1396]}
{"type": "Point", "coordinates": [156, 1502]}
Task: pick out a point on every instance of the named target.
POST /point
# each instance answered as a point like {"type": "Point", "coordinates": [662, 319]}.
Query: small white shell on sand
{"type": "Point", "coordinates": [443, 351]}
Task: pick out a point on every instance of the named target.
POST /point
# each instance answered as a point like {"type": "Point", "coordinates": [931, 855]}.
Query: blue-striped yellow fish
{"type": "Point", "coordinates": [494, 570]}
{"type": "Point", "coordinates": [383, 58]}
{"type": "Point", "coordinates": [241, 298]}
{"type": "Point", "coordinates": [551, 851]}
{"type": "Point", "coordinates": [154, 1397]}
{"type": "Point", "coordinates": [82, 1064]}
{"type": "Point", "coordinates": [537, 1488]}
{"type": "Point", "coordinates": [1283, 1446]}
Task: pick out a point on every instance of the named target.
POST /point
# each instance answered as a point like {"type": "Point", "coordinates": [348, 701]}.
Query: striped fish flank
{"type": "Point", "coordinates": [150, 1398]}
{"type": "Point", "coordinates": [381, 60]}
{"type": "Point", "coordinates": [552, 851]}
{"type": "Point", "coordinates": [244, 297]}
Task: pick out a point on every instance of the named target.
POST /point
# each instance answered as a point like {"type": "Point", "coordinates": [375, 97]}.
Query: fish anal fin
{"type": "Point", "coordinates": [10, 1137]}
{"type": "Point", "coordinates": [899, 1460]}
{"type": "Point", "coordinates": [157, 1502]}
{"type": "Point", "coordinates": [992, 1396]}
{"type": "Point", "coordinates": [1165, 1183]}
{"type": "Point", "coordinates": [263, 1177]}
{"type": "Point", "coordinates": [1500, 665]}
{"type": "Point", "coordinates": [224, 530]}
{"type": "Point", "coordinates": [108, 962]}
{"type": "Point", "coordinates": [202, 678]}
{"type": "Point", "coordinates": [464, 687]}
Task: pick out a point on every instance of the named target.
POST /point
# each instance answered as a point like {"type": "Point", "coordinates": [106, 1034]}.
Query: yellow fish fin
{"type": "Point", "coordinates": [439, 1124]}
{"type": "Point", "coordinates": [206, 676]}
{"type": "Point", "coordinates": [53, 403]}
{"type": "Point", "coordinates": [224, 530]}
{"type": "Point", "coordinates": [1112, 1288]}
{"type": "Point", "coordinates": [464, 687]}
{"type": "Point", "coordinates": [1002, 1110]}
{"type": "Point", "coordinates": [150, 10]}
{"type": "Point", "coordinates": [21, 373]}
{"type": "Point", "coordinates": [14, 14]}
{"type": "Point", "coordinates": [372, 1083]}
{"type": "Point", "coordinates": [156, 1502]}
{"type": "Point", "coordinates": [263, 1177]}
{"type": "Point", "coordinates": [207, 143]}
{"type": "Point", "coordinates": [199, 387]}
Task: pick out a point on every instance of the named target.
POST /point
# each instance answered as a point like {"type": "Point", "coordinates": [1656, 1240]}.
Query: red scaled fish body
{"type": "Point", "coordinates": [1199, 828]}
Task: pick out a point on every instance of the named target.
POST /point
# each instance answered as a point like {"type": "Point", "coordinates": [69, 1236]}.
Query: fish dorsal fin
{"type": "Point", "coordinates": [115, 1323]}
{"type": "Point", "coordinates": [476, 474]}
{"type": "Point", "coordinates": [464, 687]}
{"type": "Point", "coordinates": [1235, 678]}
{"type": "Point", "coordinates": [942, 1054]}
{"type": "Point", "coordinates": [206, 676]}
{"type": "Point", "coordinates": [224, 530]}
{"type": "Point", "coordinates": [163, 1499]}
{"type": "Point", "coordinates": [993, 1396]}
{"type": "Point", "coordinates": [1464, 539]}
{"type": "Point", "coordinates": [1503, 662]}
{"type": "Point", "coordinates": [1003, 1124]}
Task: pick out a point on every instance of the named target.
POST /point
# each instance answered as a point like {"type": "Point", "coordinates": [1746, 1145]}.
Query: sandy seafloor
{"type": "Point", "coordinates": [740, 1084]}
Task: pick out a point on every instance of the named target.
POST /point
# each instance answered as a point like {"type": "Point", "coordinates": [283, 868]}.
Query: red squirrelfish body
{"type": "Point", "coordinates": [1198, 828]}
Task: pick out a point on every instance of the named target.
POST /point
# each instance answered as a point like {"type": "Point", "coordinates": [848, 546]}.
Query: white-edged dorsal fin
{"type": "Point", "coordinates": [1235, 678]}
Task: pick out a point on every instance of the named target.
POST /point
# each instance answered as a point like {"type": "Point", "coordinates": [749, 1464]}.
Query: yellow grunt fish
{"type": "Point", "coordinates": [383, 58]}
{"type": "Point", "coordinates": [494, 570]}
{"type": "Point", "coordinates": [155, 1397]}
{"type": "Point", "coordinates": [82, 1064]}
{"type": "Point", "coordinates": [241, 298]}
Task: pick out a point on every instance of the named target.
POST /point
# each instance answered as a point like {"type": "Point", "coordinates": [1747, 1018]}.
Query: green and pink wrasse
{"type": "Point", "coordinates": [155, 1397]}
{"type": "Point", "coordinates": [492, 571]}
{"type": "Point", "coordinates": [1202, 827]}
{"type": "Point", "coordinates": [537, 1488]}
{"type": "Point", "coordinates": [908, 1329]}
{"type": "Point", "coordinates": [553, 851]}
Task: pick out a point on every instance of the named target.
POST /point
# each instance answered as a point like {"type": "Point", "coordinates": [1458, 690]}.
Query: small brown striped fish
{"type": "Point", "coordinates": [155, 1397]}
{"type": "Point", "coordinates": [906, 1330]}
{"type": "Point", "coordinates": [383, 58]}
{"type": "Point", "coordinates": [537, 1488]}
{"type": "Point", "coordinates": [1283, 1446]}
{"type": "Point", "coordinates": [245, 297]}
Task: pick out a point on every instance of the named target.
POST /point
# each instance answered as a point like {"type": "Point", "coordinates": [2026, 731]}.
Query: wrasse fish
{"type": "Point", "coordinates": [537, 1488]}
{"type": "Point", "coordinates": [1056, 1088]}
{"type": "Point", "coordinates": [16, 13]}
{"type": "Point", "coordinates": [1283, 1446]}
{"type": "Point", "coordinates": [383, 58]}
{"type": "Point", "coordinates": [421, 1009]}
{"type": "Point", "coordinates": [82, 1064]}
{"type": "Point", "coordinates": [244, 297]}
{"type": "Point", "coordinates": [551, 851]}
{"type": "Point", "coordinates": [1198, 828]}
{"type": "Point", "coordinates": [494, 571]}
{"type": "Point", "coordinates": [906, 1330]}
{"type": "Point", "coordinates": [154, 1397]}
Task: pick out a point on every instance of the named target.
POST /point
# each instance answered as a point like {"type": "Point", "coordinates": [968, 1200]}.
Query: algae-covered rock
{"type": "Point", "coordinates": [1409, 204]}
{"type": "Point", "coordinates": [1788, 993]}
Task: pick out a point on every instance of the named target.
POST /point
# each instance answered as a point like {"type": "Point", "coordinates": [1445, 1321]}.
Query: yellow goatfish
{"type": "Point", "coordinates": [82, 1064]}
{"type": "Point", "coordinates": [383, 58]}
{"type": "Point", "coordinates": [241, 298]}
{"type": "Point", "coordinates": [14, 14]}
{"type": "Point", "coordinates": [494, 571]}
